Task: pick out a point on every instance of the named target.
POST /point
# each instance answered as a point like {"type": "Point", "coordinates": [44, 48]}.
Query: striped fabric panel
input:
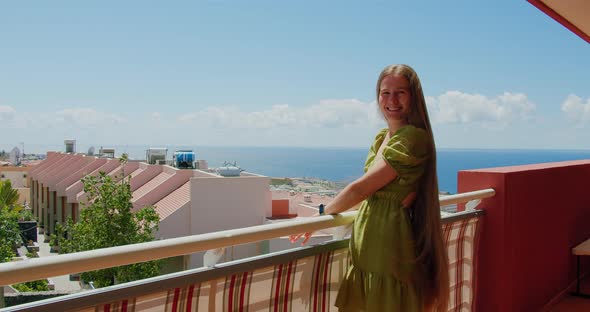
{"type": "Point", "coordinates": [281, 295]}
{"type": "Point", "coordinates": [459, 264]}
{"type": "Point", "coordinates": [126, 305]}
{"type": "Point", "coordinates": [460, 239]}
{"type": "Point", "coordinates": [320, 284]}
{"type": "Point", "coordinates": [305, 284]}
{"type": "Point", "coordinates": [236, 293]}
{"type": "Point", "coordinates": [183, 299]}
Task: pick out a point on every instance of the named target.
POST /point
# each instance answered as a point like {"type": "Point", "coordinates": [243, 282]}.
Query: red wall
{"type": "Point", "coordinates": [538, 214]}
{"type": "Point", "coordinates": [280, 207]}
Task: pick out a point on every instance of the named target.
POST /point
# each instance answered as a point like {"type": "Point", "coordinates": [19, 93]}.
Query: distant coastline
{"type": "Point", "coordinates": [343, 165]}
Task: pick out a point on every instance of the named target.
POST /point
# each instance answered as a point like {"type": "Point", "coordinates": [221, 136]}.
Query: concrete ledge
{"type": "Point", "coordinates": [50, 284]}
{"type": "Point", "coordinates": [13, 299]}
{"type": "Point", "coordinates": [75, 277]}
{"type": "Point", "coordinates": [34, 247]}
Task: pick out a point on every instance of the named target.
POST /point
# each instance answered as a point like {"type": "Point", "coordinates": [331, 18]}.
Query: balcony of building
{"type": "Point", "coordinates": [512, 253]}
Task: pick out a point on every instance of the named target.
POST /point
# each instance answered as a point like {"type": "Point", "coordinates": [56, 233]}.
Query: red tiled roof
{"type": "Point", "coordinates": [144, 189]}
{"type": "Point", "coordinates": [136, 172]}
{"type": "Point", "coordinates": [173, 201]}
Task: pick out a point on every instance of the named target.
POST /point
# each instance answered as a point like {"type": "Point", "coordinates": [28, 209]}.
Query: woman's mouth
{"type": "Point", "coordinates": [393, 109]}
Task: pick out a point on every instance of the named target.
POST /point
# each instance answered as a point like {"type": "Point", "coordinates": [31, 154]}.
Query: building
{"type": "Point", "coordinates": [18, 179]}
{"type": "Point", "coordinates": [15, 156]}
{"type": "Point", "coordinates": [522, 256]}
{"type": "Point", "coordinates": [188, 201]}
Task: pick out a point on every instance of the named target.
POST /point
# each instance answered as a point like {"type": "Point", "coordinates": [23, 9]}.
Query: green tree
{"type": "Point", "coordinates": [9, 215]}
{"type": "Point", "coordinates": [108, 220]}
{"type": "Point", "coordinates": [9, 233]}
{"type": "Point", "coordinates": [8, 195]}
{"type": "Point", "coordinates": [40, 285]}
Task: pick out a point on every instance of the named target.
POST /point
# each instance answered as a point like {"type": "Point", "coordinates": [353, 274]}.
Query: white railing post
{"type": "Point", "coordinates": [212, 256]}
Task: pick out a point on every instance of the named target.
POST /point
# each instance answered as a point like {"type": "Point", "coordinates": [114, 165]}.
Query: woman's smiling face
{"type": "Point", "coordinates": [395, 98]}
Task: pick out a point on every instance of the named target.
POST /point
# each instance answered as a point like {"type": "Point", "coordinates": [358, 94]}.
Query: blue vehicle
{"type": "Point", "coordinates": [184, 159]}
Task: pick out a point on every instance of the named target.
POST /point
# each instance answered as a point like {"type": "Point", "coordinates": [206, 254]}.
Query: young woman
{"type": "Point", "coordinates": [399, 262]}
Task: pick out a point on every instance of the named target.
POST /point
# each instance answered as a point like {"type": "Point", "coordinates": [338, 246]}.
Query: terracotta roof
{"type": "Point", "coordinates": [46, 166]}
{"type": "Point", "coordinates": [128, 169]}
{"type": "Point", "coordinates": [136, 172]}
{"type": "Point", "coordinates": [144, 189]}
{"type": "Point", "coordinates": [13, 168]}
{"type": "Point", "coordinates": [173, 201]}
{"type": "Point", "coordinates": [71, 164]}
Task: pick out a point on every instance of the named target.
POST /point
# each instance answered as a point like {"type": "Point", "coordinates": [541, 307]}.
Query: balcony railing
{"type": "Point", "coordinates": [290, 280]}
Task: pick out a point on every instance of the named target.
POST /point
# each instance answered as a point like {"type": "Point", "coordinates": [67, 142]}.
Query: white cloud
{"type": "Point", "coordinates": [450, 107]}
{"type": "Point", "coordinates": [87, 117]}
{"type": "Point", "coordinates": [7, 113]}
{"type": "Point", "coordinates": [341, 113]}
{"type": "Point", "coordinates": [156, 115]}
{"type": "Point", "coordinates": [331, 122]}
{"type": "Point", "coordinates": [459, 107]}
{"type": "Point", "coordinates": [576, 109]}
{"type": "Point", "coordinates": [327, 113]}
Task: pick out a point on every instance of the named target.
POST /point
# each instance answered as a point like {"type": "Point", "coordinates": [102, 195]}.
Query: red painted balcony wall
{"type": "Point", "coordinates": [538, 214]}
{"type": "Point", "coordinates": [280, 208]}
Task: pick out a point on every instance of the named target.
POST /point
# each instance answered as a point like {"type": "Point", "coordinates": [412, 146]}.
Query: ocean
{"type": "Point", "coordinates": [346, 164]}
{"type": "Point", "coordinates": [343, 164]}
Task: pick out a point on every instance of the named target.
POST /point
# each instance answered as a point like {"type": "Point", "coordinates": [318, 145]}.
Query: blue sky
{"type": "Point", "coordinates": [497, 74]}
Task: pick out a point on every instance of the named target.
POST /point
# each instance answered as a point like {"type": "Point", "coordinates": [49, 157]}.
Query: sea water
{"type": "Point", "coordinates": [346, 164]}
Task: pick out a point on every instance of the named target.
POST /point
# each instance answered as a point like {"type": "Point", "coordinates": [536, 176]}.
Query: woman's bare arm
{"type": "Point", "coordinates": [379, 175]}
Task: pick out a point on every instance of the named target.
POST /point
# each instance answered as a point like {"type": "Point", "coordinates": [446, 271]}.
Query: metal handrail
{"type": "Point", "coordinates": [198, 275]}
{"type": "Point", "coordinates": [141, 287]}
{"type": "Point", "coordinates": [37, 268]}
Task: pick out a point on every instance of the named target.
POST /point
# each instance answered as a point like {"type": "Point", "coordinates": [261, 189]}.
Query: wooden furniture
{"type": "Point", "coordinates": [582, 249]}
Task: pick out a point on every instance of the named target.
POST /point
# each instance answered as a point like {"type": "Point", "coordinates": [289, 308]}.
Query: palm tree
{"type": "Point", "coordinates": [8, 195]}
{"type": "Point", "coordinates": [9, 230]}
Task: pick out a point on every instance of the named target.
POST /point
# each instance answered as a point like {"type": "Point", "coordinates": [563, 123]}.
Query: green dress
{"type": "Point", "coordinates": [381, 246]}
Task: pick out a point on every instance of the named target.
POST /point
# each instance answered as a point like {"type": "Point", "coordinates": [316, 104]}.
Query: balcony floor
{"type": "Point", "coordinates": [574, 304]}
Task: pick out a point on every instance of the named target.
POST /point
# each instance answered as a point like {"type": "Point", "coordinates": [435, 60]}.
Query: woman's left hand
{"type": "Point", "coordinates": [306, 236]}
{"type": "Point", "coordinates": [295, 237]}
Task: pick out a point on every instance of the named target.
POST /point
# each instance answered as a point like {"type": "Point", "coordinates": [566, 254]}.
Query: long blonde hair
{"type": "Point", "coordinates": [431, 254]}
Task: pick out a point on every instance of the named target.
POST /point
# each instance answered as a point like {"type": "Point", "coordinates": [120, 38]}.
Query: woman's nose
{"type": "Point", "coordinates": [393, 99]}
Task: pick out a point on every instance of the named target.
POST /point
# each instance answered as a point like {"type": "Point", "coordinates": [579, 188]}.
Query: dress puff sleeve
{"type": "Point", "coordinates": [374, 147]}
{"type": "Point", "coordinates": [406, 152]}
